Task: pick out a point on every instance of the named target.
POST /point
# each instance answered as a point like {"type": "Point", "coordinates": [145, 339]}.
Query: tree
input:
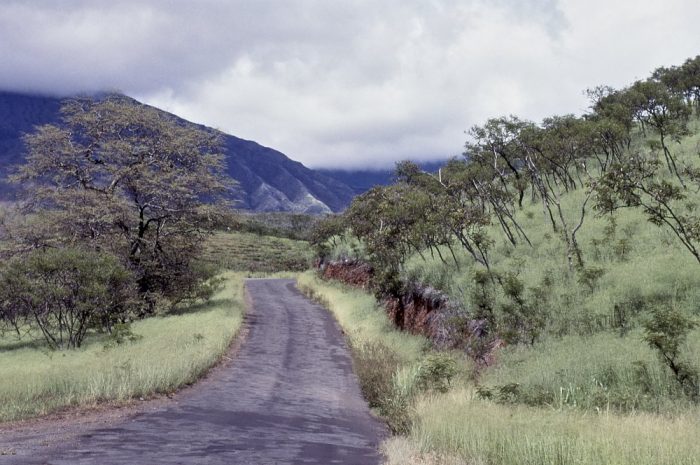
{"type": "Point", "coordinates": [666, 113]}
{"type": "Point", "coordinates": [635, 181]}
{"type": "Point", "coordinates": [556, 156]}
{"type": "Point", "coordinates": [63, 293]}
{"type": "Point", "coordinates": [666, 332]}
{"type": "Point", "coordinates": [130, 179]}
{"type": "Point", "coordinates": [495, 145]}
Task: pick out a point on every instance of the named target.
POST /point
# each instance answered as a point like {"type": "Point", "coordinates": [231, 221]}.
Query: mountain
{"type": "Point", "coordinates": [363, 180]}
{"type": "Point", "coordinates": [267, 179]}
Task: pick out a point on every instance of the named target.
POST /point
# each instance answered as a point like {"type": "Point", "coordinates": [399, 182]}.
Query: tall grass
{"type": "Point", "coordinates": [458, 427]}
{"type": "Point", "coordinates": [171, 351]}
{"type": "Point", "coordinates": [480, 432]}
{"type": "Point", "coordinates": [598, 373]}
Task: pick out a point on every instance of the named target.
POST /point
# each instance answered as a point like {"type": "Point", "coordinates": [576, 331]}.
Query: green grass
{"type": "Point", "coordinates": [481, 432]}
{"type": "Point", "coordinates": [173, 351]}
{"type": "Point", "coordinates": [458, 427]}
{"type": "Point", "coordinates": [240, 251]}
{"type": "Point", "coordinates": [596, 373]}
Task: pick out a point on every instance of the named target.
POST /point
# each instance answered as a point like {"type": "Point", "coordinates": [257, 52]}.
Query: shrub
{"type": "Point", "coordinates": [436, 373]}
{"type": "Point", "coordinates": [65, 292]}
{"type": "Point", "coordinates": [666, 332]}
{"type": "Point", "coordinates": [375, 365]}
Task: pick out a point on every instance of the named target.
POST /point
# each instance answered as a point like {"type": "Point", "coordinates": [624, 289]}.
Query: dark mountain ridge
{"type": "Point", "coordinates": [267, 179]}
{"type": "Point", "coordinates": [361, 180]}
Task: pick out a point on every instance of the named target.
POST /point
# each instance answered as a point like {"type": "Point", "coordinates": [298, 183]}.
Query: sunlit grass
{"type": "Point", "coordinates": [460, 428]}
{"type": "Point", "coordinates": [480, 432]}
{"type": "Point", "coordinates": [361, 318]}
{"type": "Point", "coordinates": [172, 351]}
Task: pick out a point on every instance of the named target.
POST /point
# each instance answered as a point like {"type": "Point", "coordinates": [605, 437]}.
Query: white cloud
{"type": "Point", "coordinates": [345, 83]}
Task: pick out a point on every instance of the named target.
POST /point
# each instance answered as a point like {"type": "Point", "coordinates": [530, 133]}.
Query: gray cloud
{"type": "Point", "coordinates": [344, 83]}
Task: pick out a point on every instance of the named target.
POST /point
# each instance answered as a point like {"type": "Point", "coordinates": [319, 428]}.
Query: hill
{"type": "Point", "coordinates": [557, 269]}
{"type": "Point", "coordinates": [267, 179]}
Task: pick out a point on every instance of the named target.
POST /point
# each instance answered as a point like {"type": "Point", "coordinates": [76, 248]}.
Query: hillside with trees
{"type": "Point", "coordinates": [568, 250]}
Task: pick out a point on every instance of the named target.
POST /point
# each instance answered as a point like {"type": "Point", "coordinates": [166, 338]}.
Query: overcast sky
{"type": "Point", "coordinates": [349, 83]}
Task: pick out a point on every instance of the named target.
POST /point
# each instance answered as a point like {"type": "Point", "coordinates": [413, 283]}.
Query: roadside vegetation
{"type": "Point", "coordinates": [572, 244]}
{"type": "Point", "coordinates": [153, 356]}
{"type": "Point", "coordinates": [393, 367]}
{"type": "Point", "coordinates": [431, 401]}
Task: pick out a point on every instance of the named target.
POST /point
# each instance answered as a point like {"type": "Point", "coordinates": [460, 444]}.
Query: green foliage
{"type": "Point", "coordinates": [522, 319]}
{"type": "Point", "coordinates": [666, 332]}
{"type": "Point", "coordinates": [63, 293]}
{"type": "Point", "coordinates": [121, 333]}
{"type": "Point", "coordinates": [436, 372]}
{"type": "Point", "coordinates": [125, 178]}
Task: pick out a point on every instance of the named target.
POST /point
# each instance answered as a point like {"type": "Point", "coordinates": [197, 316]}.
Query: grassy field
{"type": "Point", "coordinates": [458, 427]}
{"type": "Point", "coordinates": [242, 251]}
{"type": "Point", "coordinates": [172, 351]}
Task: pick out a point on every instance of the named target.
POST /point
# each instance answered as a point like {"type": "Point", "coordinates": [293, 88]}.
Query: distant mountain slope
{"type": "Point", "coordinates": [267, 179]}
{"type": "Point", "coordinates": [363, 180]}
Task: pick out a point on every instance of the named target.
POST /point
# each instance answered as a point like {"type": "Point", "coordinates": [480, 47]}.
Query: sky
{"type": "Point", "coordinates": [344, 84]}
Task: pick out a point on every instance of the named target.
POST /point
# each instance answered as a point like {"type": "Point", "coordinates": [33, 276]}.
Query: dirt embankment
{"type": "Point", "coordinates": [423, 310]}
{"type": "Point", "coordinates": [420, 309]}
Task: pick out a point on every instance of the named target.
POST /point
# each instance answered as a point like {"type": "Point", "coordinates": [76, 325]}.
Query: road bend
{"type": "Point", "coordinates": [289, 397]}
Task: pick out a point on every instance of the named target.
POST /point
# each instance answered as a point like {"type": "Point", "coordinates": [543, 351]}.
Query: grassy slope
{"type": "Point", "coordinates": [241, 251]}
{"type": "Point", "coordinates": [585, 358]}
{"type": "Point", "coordinates": [601, 394]}
{"type": "Point", "coordinates": [174, 351]}
{"type": "Point", "coordinates": [457, 427]}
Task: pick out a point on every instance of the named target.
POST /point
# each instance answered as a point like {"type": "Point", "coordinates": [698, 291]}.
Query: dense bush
{"type": "Point", "coordinates": [63, 293]}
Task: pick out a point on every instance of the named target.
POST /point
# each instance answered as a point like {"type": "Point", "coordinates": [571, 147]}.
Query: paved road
{"type": "Point", "coordinates": [290, 397]}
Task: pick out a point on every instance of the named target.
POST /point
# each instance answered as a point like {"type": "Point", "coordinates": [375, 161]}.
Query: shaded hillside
{"type": "Point", "coordinates": [18, 115]}
{"type": "Point", "coordinates": [267, 179]}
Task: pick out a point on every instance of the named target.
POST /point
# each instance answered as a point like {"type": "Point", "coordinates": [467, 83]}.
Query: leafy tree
{"type": "Point", "coordinates": [635, 182]}
{"type": "Point", "coordinates": [495, 144]}
{"type": "Point", "coordinates": [556, 156]}
{"type": "Point", "coordinates": [522, 320]}
{"type": "Point", "coordinates": [682, 80]}
{"type": "Point", "coordinates": [385, 218]}
{"type": "Point", "coordinates": [325, 233]}
{"type": "Point", "coordinates": [663, 111]}
{"type": "Point", "coordinates": [452, 213]}
{"type": "Point", "coordinates": [63, 293]}
{"type": "Point", "coordinates": [127, 178]}
{"type": "Point", "coordinates": [666, 332]}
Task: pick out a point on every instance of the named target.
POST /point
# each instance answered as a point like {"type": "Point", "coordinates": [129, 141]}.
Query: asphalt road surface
{"type": "Point", "coordinates": [289, 397]}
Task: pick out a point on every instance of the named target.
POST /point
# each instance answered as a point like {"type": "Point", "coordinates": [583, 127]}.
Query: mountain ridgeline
{"type": "Point", "coordinates": [267, 180]}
